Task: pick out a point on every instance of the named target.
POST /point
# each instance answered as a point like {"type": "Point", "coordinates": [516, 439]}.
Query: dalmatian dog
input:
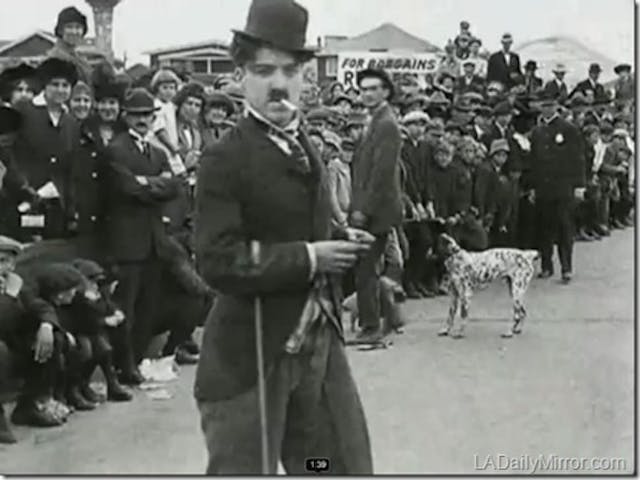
{"type": "Point", "coordinates": [469, 271]}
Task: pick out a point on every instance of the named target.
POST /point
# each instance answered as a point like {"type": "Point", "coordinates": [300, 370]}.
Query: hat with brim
{"type": "Point", "coordinates": [109, 89]}
{"type": "Point", "coordinates": [415, 117]}
{"type": "Point", "coordinates": [595, 68]}
{"type": "Point", "coordinates": [55, 278]}
{"type": "Point", "coordinates": [139, 101]}
{"type": "Point", "coordinates": [342, 98]}
{"type": "Point", "coordinates": [9, 245]}
{"type": "Point", "coordinates": [531, 65]}
{"type": "Point", "coordinates": [10, 77]}
{"type": "Point", "coordinates": [70, 15]}
{"type": "Point", "coordinates": [278, 23]}
{"type": "Point", "coordinates": [623, 67]}
{"type": "Point", "coordinates": [10, 120]}
{"type": "Point", "coordinates": [559, 68]}
{"type": "Point", "coordinates": [88, 268]}
{"type": "Point", "coordinates": [318, 114]}
{"type": "Point", "coordinates": [438, 99]}
{"type": "Point", "coordinates": [444, 75]}
{"type": "Point", "coordinates": [502, 108]}
{"type": "Point", "coordinates": [473, 97]}
{"type": "Point", "coordinates": [380, 74]}
{"type": "Point", "coordinates": [53, 68]}
{"type": "Point", "coordinates": [545, 98]}
{"type": "Point", "coordinates": [220, 99]}
{"type": "Point", "coordinates": [499, 145]}
{"type": "Point", "coordinates": [356, 120]}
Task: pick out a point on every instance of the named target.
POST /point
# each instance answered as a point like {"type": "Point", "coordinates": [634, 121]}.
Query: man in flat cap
{"type": "Point", "coordinates": [377, 193]}
{"type": "Point", "coordinates": [558, 180]}
{"type": "Point", "coordinates": [263, 230]}
{"type": "Point", "coordinates": [469, 81]}
{"type": "Point", "coordinates": [504, 66]}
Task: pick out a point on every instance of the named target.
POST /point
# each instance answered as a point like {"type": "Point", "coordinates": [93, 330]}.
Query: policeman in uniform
{"type": "Point", "coordinates": [557, 176]}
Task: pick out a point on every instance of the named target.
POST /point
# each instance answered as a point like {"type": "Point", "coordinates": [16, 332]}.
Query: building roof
{"type": "Point", "coordinates": [386, 37]}
{"type": "Point", "coordinates": [564, 49]}
{"type": "Point", "coordinates": [189, 46]}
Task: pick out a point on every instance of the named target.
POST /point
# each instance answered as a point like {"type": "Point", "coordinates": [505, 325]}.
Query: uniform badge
{"type": "Point", "coordinates": [559, 138]}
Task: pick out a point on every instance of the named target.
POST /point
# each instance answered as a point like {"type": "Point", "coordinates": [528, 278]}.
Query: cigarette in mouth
{"type": "Point", "coordinates": [288, 104]}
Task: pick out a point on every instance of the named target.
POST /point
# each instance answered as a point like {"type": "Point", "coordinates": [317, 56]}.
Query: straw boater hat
{"type": "Point", "coordinates": [414, 117]}
{"type": "Point", "coordinates": [499, 145]}
{"type": "Point", "coordinates": [559, 68]}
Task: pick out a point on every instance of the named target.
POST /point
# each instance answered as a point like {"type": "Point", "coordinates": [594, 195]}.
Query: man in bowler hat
{"type": "Point", "coordinates": [377, 193]}
{"type": "Point", "coordinates": [264, 182]}
{"type": "Point", "coordinates": [591, 87]}
{"type": "Point", "coordinates": [558, 180]}
{"type": "Point", "coordinates": [138, 182]}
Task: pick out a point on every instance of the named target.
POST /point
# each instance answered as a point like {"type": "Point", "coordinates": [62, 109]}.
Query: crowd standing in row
{"type": "Point", "coordinates": [100, 175]}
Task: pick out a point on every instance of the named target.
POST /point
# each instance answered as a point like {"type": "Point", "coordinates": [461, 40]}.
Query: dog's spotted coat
{"type": "Point", "coordinates": [469, 271]}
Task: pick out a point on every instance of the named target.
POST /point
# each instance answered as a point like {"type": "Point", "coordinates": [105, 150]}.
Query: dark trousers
{"type": "Point", "coordinates": [420, 240]}
{"type": "Point", "coordinates": [555, 221]}
{"type": "Point", "coordinates": [367, 284]}
{"type": "Point", "coordinates": [137, 293]}
{"type": "Point", "coordinates": [526, 232]}
{"type": "Point", "coordinates": [313, 411]}
{"type": "Point", "coordinates": [179, 313]}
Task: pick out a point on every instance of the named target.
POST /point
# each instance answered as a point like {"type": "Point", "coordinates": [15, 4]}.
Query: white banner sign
{"type": "Point", "coordinates": [396, 64]}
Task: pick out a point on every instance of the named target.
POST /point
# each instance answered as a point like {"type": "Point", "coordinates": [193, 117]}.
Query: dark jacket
{"type": "Point", "coordinates": [532, 84]}
{"type": "Point", "coordinates": [559, 92]}
{"type": "Point", "coordinates": [417, 159]}
{"type": "Point", "coordinates": [376, 173]}
{"type": "Point", "coordinates": [249, 189]}
{"type": "Point", "coordinates": [514, 162]}
{"type": "Point", "coordinates": [475, 85]}
{"type": "Point", "coordinates": [557, 159]}
{"type": "Point", "coordinates": [586, 86]}
{"type": "Point", "coordinates": [444, 185]}
{"type": "Point", "coordinates": [134, 230]}
{"type": "Point", "coordinates": [498, 70]}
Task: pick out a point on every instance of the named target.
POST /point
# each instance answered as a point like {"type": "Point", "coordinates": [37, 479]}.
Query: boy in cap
{"type": "Point", "coordinates": [469, 81]}
{"type": "Point", "coordinates": [265, 183]}
{"type": "Point", "coordinates": [218, 108]}
{"type": "Point", "coordinates": [70, 30]}
{"type": "Point", "coordinates": [30, 329]}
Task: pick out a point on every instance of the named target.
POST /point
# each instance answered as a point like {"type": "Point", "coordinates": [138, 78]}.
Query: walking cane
{"type": "Point", "coordinates": [262, 401]}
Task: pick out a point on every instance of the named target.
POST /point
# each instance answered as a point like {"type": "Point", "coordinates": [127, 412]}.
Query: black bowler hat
{"type": "Point", "coordinates": [281, 23]}
{"type": "Point", "coordinates": [70, 15]}
{"type": "Point", "coordinates": [595, 68]}
{"type": "Point", "coordinates": [546, 98]}
{"type": "Point", "coordinates": [10, 120]}
{"type": "Point", "coordinates": [377, 73]}
{"type": "Point", "coordinates": [531, 65]}
{"type": "Point", "coordinates": [139, 100]}
{"type": "Point", "coordinates": [57, 68]}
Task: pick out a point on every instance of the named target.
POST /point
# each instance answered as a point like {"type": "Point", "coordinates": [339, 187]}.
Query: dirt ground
{"type": "Point", "coordinates": [434, 405]}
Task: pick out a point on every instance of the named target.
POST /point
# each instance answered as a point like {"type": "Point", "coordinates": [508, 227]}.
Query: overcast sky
{"type": "Point", "coordinates": [140, 25]}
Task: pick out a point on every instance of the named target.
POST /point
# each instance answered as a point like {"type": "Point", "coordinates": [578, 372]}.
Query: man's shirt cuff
{"type": "Point", "coordinates": [313, 260]}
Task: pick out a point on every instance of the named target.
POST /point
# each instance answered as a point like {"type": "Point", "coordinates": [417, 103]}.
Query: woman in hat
{"type": "Point", "coordinates": [14, 187]}
{"type": "Point", "coordinates": [625, 84]}
{"type": "Point", "coordinates": [45, 141]}
{"type": "Point", "coordinates": [189, 102]}
{"type": "Point", "coordinates": [81, 101]}
{"type": "Point", "coordinates": [70, 30]}
{"type": "Point", "coordinates": [164, 86]}
{"type": "Point", "coordinates": [476, 58]}
{"type": "Point", "coordinates": [18, 84]}
{"type": "Point", "coordinates": [218, 108]}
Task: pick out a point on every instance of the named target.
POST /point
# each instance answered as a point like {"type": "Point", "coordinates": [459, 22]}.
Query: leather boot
{"type": "Point", "coordinates": [131, 377]}
{"type": "Point", "coordinates": [35, 415]}
{"type": "Point", "coordinates": [191, 347]}
{"type": "Point", "coordinates": [185, 358]}
{"type": "Point", "coordinates": [6, 435]}
{"type": "Point", "coordinates": [115, 391]}
{"type": "Point", "coordinates": [75, 399]}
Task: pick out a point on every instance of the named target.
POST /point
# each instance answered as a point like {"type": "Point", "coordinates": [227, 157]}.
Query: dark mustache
{"type": "Point", "coordinates": [277, 95]}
